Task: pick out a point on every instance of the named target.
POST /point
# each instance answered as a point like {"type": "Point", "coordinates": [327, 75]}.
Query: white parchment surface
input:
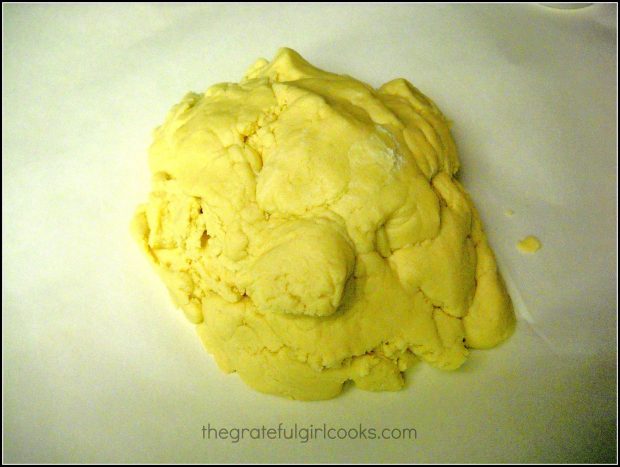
{"type": "Point", "coordinates": [99, 366]}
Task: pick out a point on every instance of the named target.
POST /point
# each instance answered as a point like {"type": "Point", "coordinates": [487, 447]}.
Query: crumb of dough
{"type": "Point", "coordinates": [509, 213]}
{"type": "Point", "coordinates": [312, 229]}
{"type": "Point", "coordinates": [529, 244]}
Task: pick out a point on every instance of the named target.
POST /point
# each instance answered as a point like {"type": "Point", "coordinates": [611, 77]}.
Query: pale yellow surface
{"type": "Point", "coordinates": [529, 244]}
{"type": "Point", "coordinates": [312, 229]}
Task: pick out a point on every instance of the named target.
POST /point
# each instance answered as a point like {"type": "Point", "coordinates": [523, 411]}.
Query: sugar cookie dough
{"type": "Point", "coordinates": [312, 229]}
{"type": "Point", "coordinates": [529, 244]}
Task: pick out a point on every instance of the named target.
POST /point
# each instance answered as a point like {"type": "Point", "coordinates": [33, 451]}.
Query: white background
{"type": "Point", "coordinates": [99, 366]}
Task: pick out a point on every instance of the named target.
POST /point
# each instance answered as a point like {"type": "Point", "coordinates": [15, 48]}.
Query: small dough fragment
{"type": "Point", "coordinates": [313, 230]}
{"type": "Point", "coordinates": [529, 244]}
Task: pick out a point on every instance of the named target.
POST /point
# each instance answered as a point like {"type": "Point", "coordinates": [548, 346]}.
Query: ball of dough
{"type": "Point", "coordinates": [312, 229]}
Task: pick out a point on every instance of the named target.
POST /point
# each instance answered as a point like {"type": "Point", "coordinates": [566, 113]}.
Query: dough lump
{"type": "Point", "coordinates": [529, 244]}
{"type": "Point", "coordinates": [312, 229]}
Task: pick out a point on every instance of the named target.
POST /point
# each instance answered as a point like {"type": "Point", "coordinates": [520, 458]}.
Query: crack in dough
{"type": "Point", "coordinates": [312, 228]}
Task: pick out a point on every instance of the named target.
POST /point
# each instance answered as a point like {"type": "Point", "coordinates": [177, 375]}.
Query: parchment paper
{"type": "Point", "coordinates": [99, 366]}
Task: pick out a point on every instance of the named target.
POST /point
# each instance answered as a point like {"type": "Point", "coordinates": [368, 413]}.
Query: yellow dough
{"type": "Point", "coordinates": [529, 244]}
{"type": "Point", "coordinates": [312, 228]}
